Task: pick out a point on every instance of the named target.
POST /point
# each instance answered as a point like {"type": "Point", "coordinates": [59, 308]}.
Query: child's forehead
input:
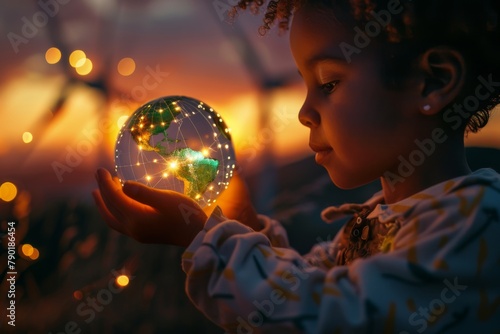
{"type": "Point", "coordinates": [317, 42]}
{"type": "Point", "coordinates": [318, 27]}
{"type": "Point", "coordinates": [333, 11]}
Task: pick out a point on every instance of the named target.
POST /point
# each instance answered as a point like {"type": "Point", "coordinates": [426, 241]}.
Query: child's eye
{"type": "Point", "coordinates": [329, 87]}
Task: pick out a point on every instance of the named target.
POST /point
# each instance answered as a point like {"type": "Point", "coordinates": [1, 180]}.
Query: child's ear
{"type": "Point", "coordinates": [443, 77]}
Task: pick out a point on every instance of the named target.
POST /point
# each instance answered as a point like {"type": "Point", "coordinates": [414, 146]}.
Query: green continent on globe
{"type": "Point", "coordinates": [151, 120]}
{"type": "Point", "coordinates": [196, 170]}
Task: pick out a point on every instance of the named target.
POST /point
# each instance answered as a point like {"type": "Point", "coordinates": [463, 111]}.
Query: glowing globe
{"type": "Point", "coordinates": [177, 143]}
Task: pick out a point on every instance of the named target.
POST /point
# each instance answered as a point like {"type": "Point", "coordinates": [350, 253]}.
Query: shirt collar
{"type": "Point", "coordinates": [401, 209]}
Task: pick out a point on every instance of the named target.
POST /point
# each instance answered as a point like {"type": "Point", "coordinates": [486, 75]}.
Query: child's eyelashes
{"type": "Point", "coordinates": [329, 87]}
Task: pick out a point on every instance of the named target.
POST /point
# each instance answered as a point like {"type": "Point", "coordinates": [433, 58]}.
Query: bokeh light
{"type": "Point", "coordinates": [76, 56]}
{"type": "Point", "coordinates": [85, 68]}
{"type": "Point", "coordinates": [122, 280]}
{"type": "Point", "coordinates": [27, 250]}
{"type": "Point", "coordinates": [126, 66]}
{"type": "Point", "coordinates": [8, 191]}
{"type": "Point", "coordinates": [53, 55]}
{"type": "Point", "coordinates": [78, 295]}
{"type": "Point", "coordinates": [34, 256]}
{"type": "Point", "coordinates": [80, 62]}
{"type": "Point", "coordinates": [27, 137]}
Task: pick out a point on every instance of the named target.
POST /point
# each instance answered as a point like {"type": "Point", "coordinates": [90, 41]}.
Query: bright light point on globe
{"type": "Point", "coordinates": [122, 280]}
{"type": "Point", "coordinates": [174, 165]}
{"type": "Point", "coordinates": [27, 137]}
{"type": "Point", "coordinates": [171, 141]}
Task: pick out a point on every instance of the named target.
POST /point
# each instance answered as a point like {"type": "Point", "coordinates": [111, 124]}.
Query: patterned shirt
{"type": "Point", "coordinates": [429, 263]}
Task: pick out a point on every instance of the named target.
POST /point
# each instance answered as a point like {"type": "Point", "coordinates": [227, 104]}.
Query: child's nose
{"type": "Point", "coordinates": [308, 116]}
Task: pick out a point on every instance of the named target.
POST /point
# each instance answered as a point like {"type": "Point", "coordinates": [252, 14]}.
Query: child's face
{"type": "Point", "coordinates": [357, 125]}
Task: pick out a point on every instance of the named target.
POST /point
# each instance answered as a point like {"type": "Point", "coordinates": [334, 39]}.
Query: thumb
{"type": "Point", "coordinates": [161, 200]}
{"type": "Point", "coordinates": [146, 195]}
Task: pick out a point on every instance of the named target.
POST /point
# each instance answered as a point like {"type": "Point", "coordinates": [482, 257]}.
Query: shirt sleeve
{"type": "Point", "coordinates": [246, 284]}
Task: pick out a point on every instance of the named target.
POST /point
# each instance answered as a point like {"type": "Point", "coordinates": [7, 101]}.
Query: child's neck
{"type": "Point", "coordinates": [447, 162]}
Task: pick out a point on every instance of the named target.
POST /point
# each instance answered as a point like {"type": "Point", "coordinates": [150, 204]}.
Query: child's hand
{"type": "Point", "coordinates": [146, 214]}
{"type": "Point", "coordinates": [236, 204]}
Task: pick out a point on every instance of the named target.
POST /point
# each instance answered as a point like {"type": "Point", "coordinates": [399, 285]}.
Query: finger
{"type": "Point", "coordinates": [113, 197]}
{"type": "Point", "coordinates": [159, 199]}
{"type": "Point", "coordinates": [117, 181]}
{"type": "Point", "coordinates": [108, 217]}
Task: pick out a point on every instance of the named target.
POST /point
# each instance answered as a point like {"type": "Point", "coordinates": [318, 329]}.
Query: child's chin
{"type": "Point", "coordinates": [346, 181]}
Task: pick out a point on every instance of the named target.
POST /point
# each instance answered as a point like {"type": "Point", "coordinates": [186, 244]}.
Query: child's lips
{"type": "Point", "coordinates": [322, 156]}
{"type": "Point", "coordinates": [322, 152]}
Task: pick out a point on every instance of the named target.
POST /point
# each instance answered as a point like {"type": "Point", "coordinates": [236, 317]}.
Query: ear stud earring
{"type": "Point", "coordinates": [427, 107]}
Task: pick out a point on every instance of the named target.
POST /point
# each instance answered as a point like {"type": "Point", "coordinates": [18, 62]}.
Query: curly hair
{"type": "Point", "coordinates": [469, 26]}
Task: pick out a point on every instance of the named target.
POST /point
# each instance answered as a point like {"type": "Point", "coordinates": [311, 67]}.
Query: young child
{"type": "Point", "coordinates": [391, 89]}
